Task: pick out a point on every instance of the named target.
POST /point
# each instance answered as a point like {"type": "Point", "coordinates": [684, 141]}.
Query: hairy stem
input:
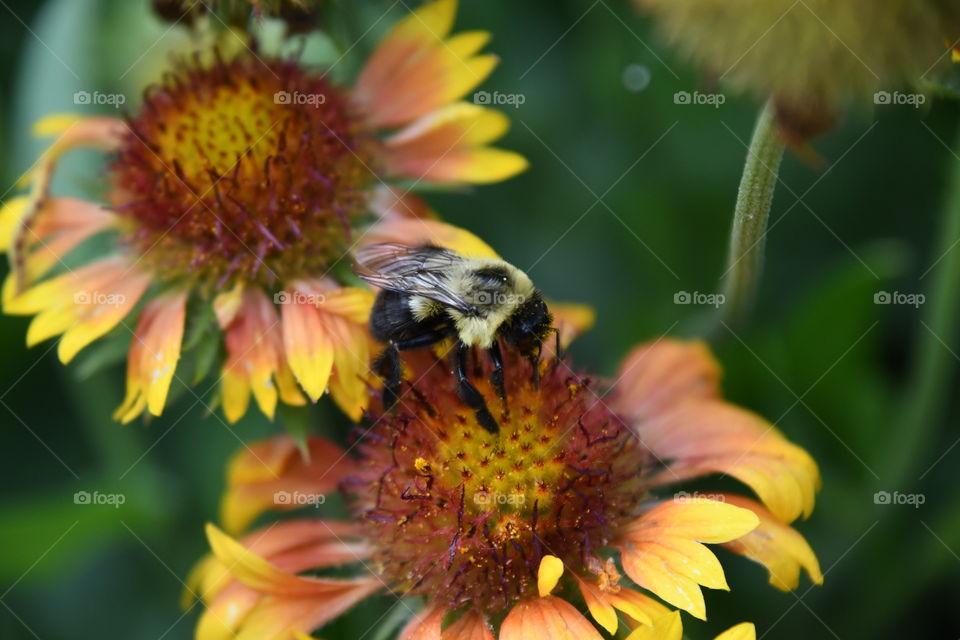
{"type": "Point", "coordinates": [757, 186]}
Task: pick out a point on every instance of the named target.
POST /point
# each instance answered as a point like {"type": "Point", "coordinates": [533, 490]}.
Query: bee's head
{"type": "Point", "coordinates": [528, 326]}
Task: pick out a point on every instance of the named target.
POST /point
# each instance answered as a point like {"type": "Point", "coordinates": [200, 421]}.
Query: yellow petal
{"type": "Point", "coordinates": [236, 396]}
{"type": "Point", "coordinates": [414, 231]}
{"type": "Point", "coordinates": [551, 568]}
{"type": "Point", "coordinates": [661, 550]}
{"type": "Point", "coordinates": [742, 631]}
{"type": "Point", "coordinates": [777, 546]}
{"type": "Point", "coordinates": [55, 124]}
{"type": "Point", "coordinates": [668, 627]}
{"type": "Point", "coordinates": [11, 216]}
{"type": "Point", "coordinates": [488, 164]}
{"type": "Point", "coordinates": [599, 606]}
{"type": "Point", "coordinates": [467, 43]}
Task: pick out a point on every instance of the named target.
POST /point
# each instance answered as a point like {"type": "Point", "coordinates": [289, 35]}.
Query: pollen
{"type": "Point", "coordinates": [243, 169]}
{"type": "Point", "coordinates": [465, 515]}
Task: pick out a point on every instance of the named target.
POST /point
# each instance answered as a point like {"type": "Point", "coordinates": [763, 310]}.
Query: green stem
{"type": "Point", "coordinates": [926, 394]}
{"type": "Point", "coordinates": [757, 186]}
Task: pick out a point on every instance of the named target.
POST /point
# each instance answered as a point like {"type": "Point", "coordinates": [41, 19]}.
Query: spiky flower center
{"type": "Point", "coordinates": [465, 516]}
{"type": "Point", "coordinates": [244, 169]}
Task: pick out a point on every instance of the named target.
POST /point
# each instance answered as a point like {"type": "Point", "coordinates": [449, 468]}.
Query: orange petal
{"type": "Point", "coordinates": [661, 550]}
{"type": "Point", "coordinates": [658, 375]}
{"type": "Point", "coordinates": [389, 201]}
{"type": "Point", "coordinates": [548, 618]}
{"type": "Point", "coordinates": [273, 475]}
{"type": "Point", "coordinates": [470, 626]}
{"type": "Point", "coordinates": [425, 625]}
{"type": "Point", "coordinates": [777, 546]}
{"type": "Point", "coordinates": [153, 357]}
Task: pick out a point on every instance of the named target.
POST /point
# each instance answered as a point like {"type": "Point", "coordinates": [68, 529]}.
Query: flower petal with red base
{"type": "Point", "coordinates": [548, 618]}
{"type": "Point", "coordinates": [153, 356]}
{"type": "Point", "coordinates": [777, 546]}
{"type": "Point", "coordinates": [662, 550]}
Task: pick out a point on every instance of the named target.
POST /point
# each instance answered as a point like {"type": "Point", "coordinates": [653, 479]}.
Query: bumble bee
{"type": "Point", "coordinates": [429, 294]}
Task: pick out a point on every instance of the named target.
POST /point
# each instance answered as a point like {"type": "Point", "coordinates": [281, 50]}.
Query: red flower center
{"type": "Point", "coordinates": [466, 516]}
{"type": "Point", "coordinates": [243, 169]}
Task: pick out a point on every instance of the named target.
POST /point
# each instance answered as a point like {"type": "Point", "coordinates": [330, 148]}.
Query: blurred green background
{"type": "Point", "coordinates": [627, 202]}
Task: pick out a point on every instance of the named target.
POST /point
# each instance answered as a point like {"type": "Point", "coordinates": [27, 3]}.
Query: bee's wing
{"type": "Point", "coordinates": [413, 270]}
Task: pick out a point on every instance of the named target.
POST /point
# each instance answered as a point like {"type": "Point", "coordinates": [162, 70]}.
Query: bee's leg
{"type": "Point", "coordinates": [496, 376]}
{"type": "Point", "coordinates": [388, 367]}
{"type": "Point", "coordinates": [469, 394]}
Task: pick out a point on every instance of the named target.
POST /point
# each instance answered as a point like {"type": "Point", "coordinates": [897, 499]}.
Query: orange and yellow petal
{"type": "Point", "coordinates": [154, 352]}
{"type": "Point", "coordinates": [548, 618]}
{"type": "Point", "coordinates": [275, 475]}
{"type": "Point", "coordinates": [327, 341]}
{"type": "Point", "coordinates": [447, 146]}
{"type": "Point", "coordinates": [662, 552]}
{"type": "Point", "coordinates": [255, 364]}
{"type": "Point", "coordinates": [417, 69]}
{"type": "Point", "coordinates": [411, 231]}
{"type": "Point", "coordinates": [777, 546]}
{"type": "Point", "coordinates": [712, 436]}
{"type": "Point", "coordinates": [669, 390]}
{"type": "Point", "coordinates": [83, 304]}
